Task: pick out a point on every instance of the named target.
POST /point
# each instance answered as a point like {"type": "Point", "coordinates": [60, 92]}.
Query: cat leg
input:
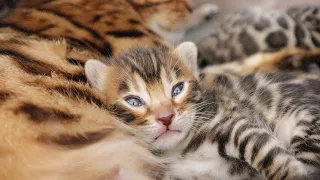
{"type": "Point", "coordinates": [288, 60]}
{"type": "Point", "coordinates": [251, 142]}
{"type": "Point", "coordinates": [291, 60]}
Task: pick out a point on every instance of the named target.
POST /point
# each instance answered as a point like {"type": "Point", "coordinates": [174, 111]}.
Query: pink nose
{"type": "Point", "coordinates": [166, 120]}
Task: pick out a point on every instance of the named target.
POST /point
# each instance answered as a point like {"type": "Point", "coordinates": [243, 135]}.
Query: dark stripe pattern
{"type": "Point", "coordinates": [76, 141]}
{"type": "Point", "coordinates": [42, 114]}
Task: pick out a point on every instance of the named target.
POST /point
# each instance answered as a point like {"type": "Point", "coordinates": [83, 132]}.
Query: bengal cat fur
{"type": "Point", "coordinates": [60, 119]}
{"type": "Point", "coordinates": [54, 126]}
{"type": "Point", "coordinates": [242, 127]}
{"type": "Point", "coordinates": [250, 31]}
{"type": "Point", "coordinates": [109, 27]}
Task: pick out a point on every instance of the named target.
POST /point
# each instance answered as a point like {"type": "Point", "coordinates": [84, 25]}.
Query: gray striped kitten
{"type": "Point", "coordinates": [258, 126]}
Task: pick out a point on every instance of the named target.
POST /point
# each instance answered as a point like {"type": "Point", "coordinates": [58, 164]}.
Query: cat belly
{"type": "Point", "coordinates": [206, 164]}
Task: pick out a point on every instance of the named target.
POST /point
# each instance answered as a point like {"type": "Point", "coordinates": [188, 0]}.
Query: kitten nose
{"type": "Point", "coordinates": [166, 120]}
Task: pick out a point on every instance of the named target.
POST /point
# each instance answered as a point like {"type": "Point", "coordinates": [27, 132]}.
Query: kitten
{"type": "Point", "coordinates": [243, 127]}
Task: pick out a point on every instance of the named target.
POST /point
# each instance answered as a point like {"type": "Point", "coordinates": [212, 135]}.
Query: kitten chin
{"type": "Point", "coordinates": [168, 140]}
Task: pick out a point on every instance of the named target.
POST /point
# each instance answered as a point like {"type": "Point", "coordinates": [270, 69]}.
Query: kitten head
{"type": "Point", "coordinates": [155, 90]}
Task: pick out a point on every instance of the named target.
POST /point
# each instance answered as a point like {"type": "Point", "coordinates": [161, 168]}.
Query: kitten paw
{"type": "Point", "coordinates": [207, 11]}
{"type": "Point", "coordinates": [201, 14]}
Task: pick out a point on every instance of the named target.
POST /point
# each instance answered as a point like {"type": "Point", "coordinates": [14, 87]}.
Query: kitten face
{"type": "Point", "coordinates": [155, 90]}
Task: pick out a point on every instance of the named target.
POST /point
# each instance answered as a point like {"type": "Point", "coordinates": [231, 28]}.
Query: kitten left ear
{"type": "Point", "coordinates": [189, 54]}
{"type": "Point", "coordinates": [96, 73]}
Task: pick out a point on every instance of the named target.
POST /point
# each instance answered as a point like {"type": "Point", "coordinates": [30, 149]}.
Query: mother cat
{"type": "Point", "coordinates": [53, 125]}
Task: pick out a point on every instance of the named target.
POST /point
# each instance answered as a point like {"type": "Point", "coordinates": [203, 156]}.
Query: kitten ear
{"type": "Point", "coordinates": [189, 54]}
{"type": "Point", "coordinates": [96, 73]}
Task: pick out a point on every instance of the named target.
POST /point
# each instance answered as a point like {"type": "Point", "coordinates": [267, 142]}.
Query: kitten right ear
{"type": "Point", "coordinates": [96, 73]}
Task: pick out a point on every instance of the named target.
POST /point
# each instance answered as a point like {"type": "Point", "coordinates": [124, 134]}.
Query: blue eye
{"type": "Point", "coordinates": [134, 101]}
{"type": "Point", "coordinates": [177, 89]}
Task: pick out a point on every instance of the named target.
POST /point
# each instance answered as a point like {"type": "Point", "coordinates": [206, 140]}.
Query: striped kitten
{"type": "Point", "coordinates": [248, 127]}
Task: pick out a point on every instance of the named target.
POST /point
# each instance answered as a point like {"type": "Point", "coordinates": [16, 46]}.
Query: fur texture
{"type": "Point", "coordinates": [249, 31]}
{"type": "Point", "coordinates": [54, 126]}
{"type": "Point", "coordinates": [108, 27]}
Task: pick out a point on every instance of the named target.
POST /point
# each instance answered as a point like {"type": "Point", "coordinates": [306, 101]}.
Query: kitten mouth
{"type": "Point", "coordinates": [167, 133]}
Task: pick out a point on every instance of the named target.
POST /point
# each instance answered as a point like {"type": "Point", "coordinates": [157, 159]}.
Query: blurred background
{"type": "Point", "coordinates": [229, 6]}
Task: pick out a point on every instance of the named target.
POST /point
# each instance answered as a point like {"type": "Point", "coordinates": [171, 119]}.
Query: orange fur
{"type": "Point", "coordinates": [54, 127]}
{"type": "Point", "coordinates": [168, 14]}
{"type": "Point", "coordinates": [108, 27]}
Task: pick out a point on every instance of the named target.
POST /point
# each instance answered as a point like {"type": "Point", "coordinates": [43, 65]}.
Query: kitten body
{"type": "Point", "coordinates": [265, 120]}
